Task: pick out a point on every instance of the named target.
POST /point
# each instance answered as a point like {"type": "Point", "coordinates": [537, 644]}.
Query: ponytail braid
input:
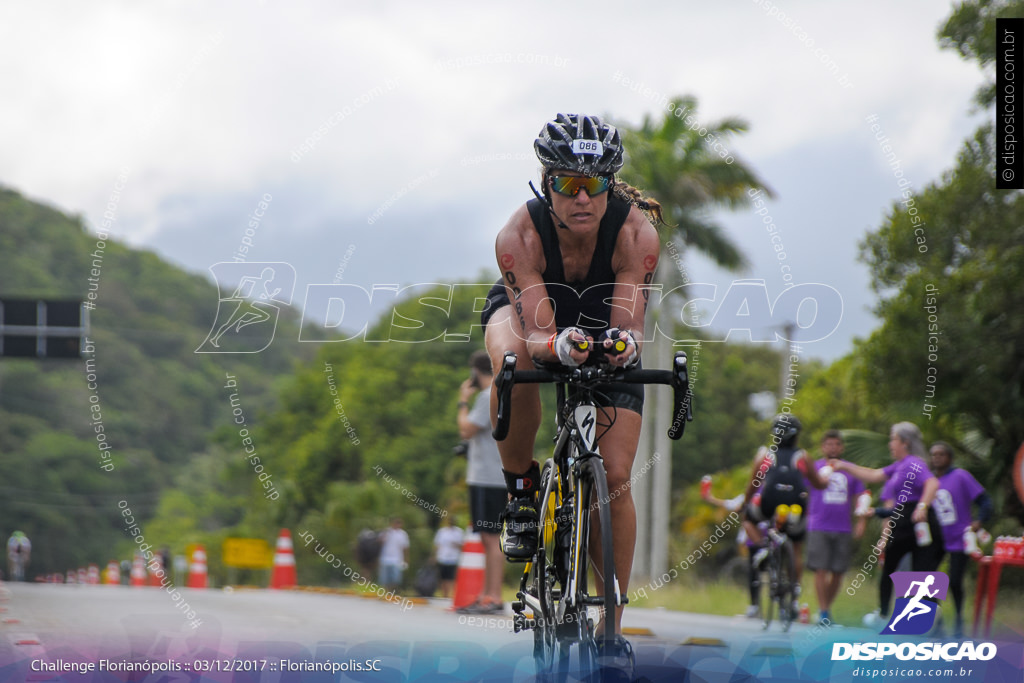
{"type": "Point", "coordinates": [649, 205]}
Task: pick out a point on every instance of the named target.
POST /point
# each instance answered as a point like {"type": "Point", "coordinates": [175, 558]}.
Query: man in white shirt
{"type": "Point", "coordinates": [394, 554]}
{"type": "Point", "coordinates": [447, 546]}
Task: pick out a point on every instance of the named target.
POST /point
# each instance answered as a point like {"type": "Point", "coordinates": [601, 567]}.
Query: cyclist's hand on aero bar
{"type": "Point", "coordinates": [620, 347]}
{"type": "Point", "coordinates": [571, 345]}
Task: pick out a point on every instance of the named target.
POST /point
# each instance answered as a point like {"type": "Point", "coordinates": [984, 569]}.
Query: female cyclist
{"type": "Point", "coordinates": [576, 266]}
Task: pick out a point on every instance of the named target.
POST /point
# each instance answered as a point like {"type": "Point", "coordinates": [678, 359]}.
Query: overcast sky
{"type": "Point", "coordinates": [427, 113]}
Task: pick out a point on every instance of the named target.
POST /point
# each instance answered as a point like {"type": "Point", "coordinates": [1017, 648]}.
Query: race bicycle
{"type": "Point", "coordinates": [776, 582]}
{"type": "Point", "coordinates": [567, 579]}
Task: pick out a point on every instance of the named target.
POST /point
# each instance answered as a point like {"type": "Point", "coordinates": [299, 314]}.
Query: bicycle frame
{"type": "Point", "coordinates": [559, 596]}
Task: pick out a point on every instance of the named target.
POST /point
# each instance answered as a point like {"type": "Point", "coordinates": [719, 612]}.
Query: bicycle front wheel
{"type": "Point", "coordinates": [594, 581]}
{"type": "Point", "coordinates": [541, 580]}
{"type": "Point", "coordinates": [767, 581]}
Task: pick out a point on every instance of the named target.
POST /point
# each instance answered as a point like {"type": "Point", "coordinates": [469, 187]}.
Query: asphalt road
{"type": "Point", "coordinates": [45, 627]}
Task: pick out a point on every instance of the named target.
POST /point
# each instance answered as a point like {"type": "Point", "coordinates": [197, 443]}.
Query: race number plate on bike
{"type": "Point", "coordinates": [586, 422]}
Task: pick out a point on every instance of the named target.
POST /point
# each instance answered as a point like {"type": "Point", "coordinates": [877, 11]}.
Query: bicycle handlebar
{"type": "Point", "coordinates": [678, 378]}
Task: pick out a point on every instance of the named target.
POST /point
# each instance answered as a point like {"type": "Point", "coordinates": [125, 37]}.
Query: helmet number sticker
{"type": "Point", "coordinates": [587, 147]}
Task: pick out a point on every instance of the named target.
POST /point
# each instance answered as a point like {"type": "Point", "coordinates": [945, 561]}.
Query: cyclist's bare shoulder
{"type": "Point", "coordinates": [518, 247]}
{"type": "Point", "coordinates": [637, 243]}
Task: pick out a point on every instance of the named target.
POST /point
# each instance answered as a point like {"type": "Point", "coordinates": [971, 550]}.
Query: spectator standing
{"type": "Point", "coordinates": [958, 490]}
{"type": "Point", "coordinates": [829, 528]}
{"type": "Point", "coordinates": [447, 546]}
{"type": "Point", "coordinates": [394, 554]}
{"type": "Point", "coordinates": [488, 494]}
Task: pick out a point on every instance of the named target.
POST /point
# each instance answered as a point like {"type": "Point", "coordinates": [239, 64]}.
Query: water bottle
{"type": "Point", "coordinates": [781, 513]}
{"type": "Point", "coordinates": [795, 511]}
{"type": "Point", "coordinates": [805, 613]}
{"type": "Point", "coordinates": [705, 486]}
{"type": "Point", "coordinates": [863, 504]}
{"type": "Point", "coordinates": [971, 543]}
{"type": "Point", "coordinates": [923, 534]}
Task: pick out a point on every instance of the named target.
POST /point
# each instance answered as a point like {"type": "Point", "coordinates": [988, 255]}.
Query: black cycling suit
{"type": "Point", "coordinates": [585, 304]}
{"type": "Point", "coordinates": [784, 485]}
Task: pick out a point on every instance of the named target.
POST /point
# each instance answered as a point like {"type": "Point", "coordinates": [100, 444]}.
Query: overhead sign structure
{"type": "Point", "coordinates": [42, 328]}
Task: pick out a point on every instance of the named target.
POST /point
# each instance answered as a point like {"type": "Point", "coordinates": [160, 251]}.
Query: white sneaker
{"type": "Point", "coordinates": [873, 620]}
{"type": "Point", "coordinates": [753, 612]}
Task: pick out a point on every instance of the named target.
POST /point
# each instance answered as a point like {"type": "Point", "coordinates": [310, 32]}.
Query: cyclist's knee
{"type": "Point", "coordinates": [618, 477]}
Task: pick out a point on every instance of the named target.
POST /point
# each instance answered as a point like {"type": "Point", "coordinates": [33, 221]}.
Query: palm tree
{"type": "Point", "coordinates": [684, 170]}
{"type": "Point", "coordinates": [689, 168]}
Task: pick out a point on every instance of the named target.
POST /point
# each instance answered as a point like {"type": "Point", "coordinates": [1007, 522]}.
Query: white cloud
{"type": "Point", "coordinates": [238, 88]}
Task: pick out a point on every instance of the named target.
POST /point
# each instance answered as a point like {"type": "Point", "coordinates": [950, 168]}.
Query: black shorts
{"type": "Point", "coordinates": [624, 396]}
{"type": "Point", "coordinates": [447, 571]}
{"type": "Point", "coordinates": [486, 503]}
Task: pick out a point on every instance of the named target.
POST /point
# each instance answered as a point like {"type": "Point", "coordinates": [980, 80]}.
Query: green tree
{"type": "Point", "coordinates": [971, 31]}
{"type": "Point", "coordinates": [947, 264]}
{"type": "Point", "coordinates": [952, 341]}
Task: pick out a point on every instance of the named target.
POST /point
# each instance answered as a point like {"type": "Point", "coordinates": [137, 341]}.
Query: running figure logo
{"type": "Point", "coordinates": [247, 317]}
{"type": "Point", "coordinates": [914, 613]}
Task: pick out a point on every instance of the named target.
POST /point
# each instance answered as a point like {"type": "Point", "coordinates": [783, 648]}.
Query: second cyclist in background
{"type": "Point", "coordinates": [778, 479]}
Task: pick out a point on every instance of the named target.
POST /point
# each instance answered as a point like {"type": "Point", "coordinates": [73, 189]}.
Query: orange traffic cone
{"type": "Point", "coordinates": [469, 578]}
{"type": "Point", "coordinates": [113, 573]}
{"type": "Point", "coordinates": [83, 576]}
{"type": "Point", "coordinates": [283, 575]}
{"type": "Point", "coordinates": [71, 576]}
{"type": "Point", "coordinates": [197, 568]}
{"type": "Point", "coordinates": [138, 576]}
{"type": "Point", "coordinates": [93, 575]}
{"type": "Point", "coordinates": [155, 565]}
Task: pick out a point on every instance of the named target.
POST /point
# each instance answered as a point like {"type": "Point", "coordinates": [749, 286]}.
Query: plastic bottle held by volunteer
{"type": "Point", "coordinates": [971, 543]}
{"type": "Point", "coordinates": [863, 504]}
{"type": "Point", "coordinates": [923, 534]}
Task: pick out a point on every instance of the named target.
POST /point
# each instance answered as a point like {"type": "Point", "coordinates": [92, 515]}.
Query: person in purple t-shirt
{"type": "Point", "coordinates": [913, 487]}
{"type": "Point", "coordinates": [952, 505]}
{"type": "Point", "coordinates": [828, 525]}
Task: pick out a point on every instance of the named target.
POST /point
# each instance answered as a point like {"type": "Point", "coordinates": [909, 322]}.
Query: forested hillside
{"type": "Point", "coordinates": [158, 401]}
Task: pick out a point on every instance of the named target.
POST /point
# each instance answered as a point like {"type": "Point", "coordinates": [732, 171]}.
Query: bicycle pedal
{"type": "Point", "coordinates": [521, 623]}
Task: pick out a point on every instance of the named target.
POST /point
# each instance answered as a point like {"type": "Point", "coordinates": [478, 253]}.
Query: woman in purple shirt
{"type": "Point", "coordinates": [913, 488]}
{"type": "Point", "coordinates": [952, 504]}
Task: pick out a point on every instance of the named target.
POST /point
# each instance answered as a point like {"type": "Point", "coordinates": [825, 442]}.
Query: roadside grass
{"type": "Point", "coordinates": [726, 598]}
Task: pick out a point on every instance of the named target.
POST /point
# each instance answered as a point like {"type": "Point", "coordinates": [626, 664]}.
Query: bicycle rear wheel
{"type": "Point", "coordinates": [787, 584]}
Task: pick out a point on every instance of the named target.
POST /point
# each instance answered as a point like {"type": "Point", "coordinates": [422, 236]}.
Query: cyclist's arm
{"type": "Point", "coordinates": [521, 260]}
{"type": "Point", "coordinates": [810, 472]}
{"type": "Point", "coordinates": [755, 480]}
{"type": "Point", "coordinates": [634, 262]}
